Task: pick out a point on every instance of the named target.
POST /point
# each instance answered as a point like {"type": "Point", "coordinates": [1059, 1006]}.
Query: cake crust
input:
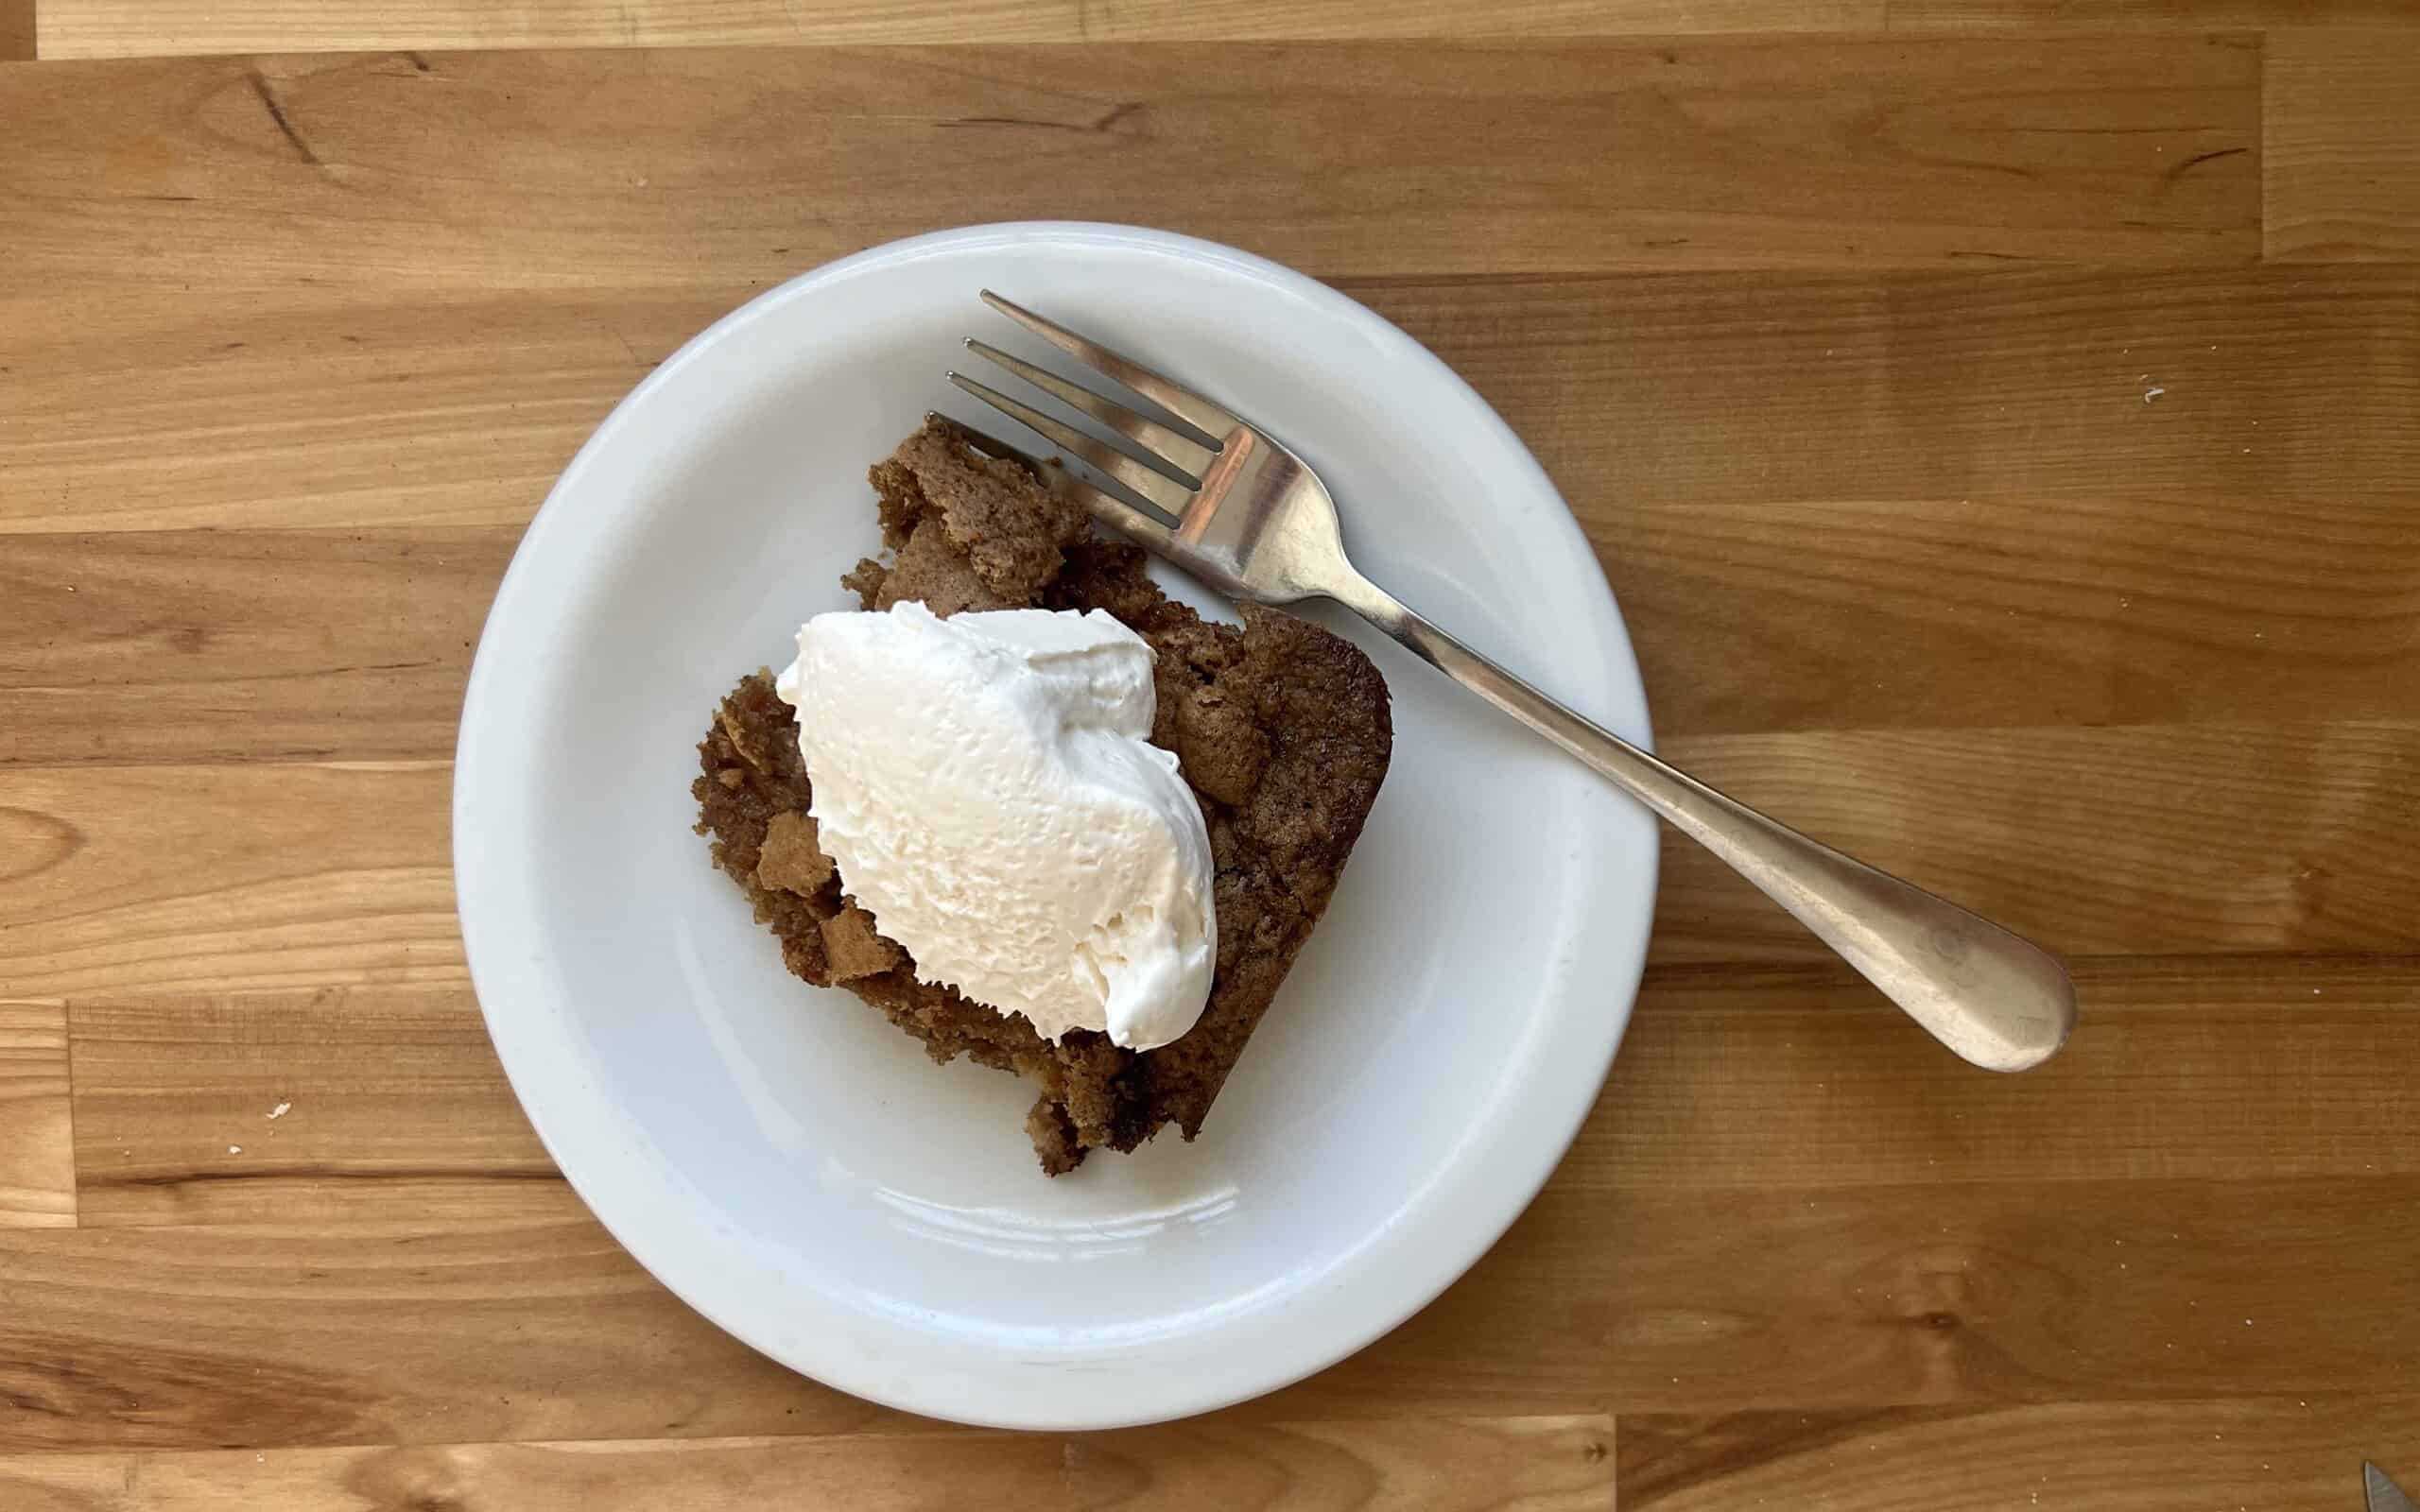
{"type": "Point", "coordinates": [1283, 730]}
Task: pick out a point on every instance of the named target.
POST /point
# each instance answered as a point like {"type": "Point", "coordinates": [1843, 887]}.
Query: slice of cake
{"type": "Point", "coordinates": [1281, 729]}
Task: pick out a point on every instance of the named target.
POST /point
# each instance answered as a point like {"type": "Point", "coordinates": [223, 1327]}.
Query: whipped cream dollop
{"type": "Point", "coordinates": [985, 786]}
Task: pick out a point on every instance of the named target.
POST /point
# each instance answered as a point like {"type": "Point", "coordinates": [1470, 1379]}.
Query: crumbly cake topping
{"type": "Point", "coordinates": [1283, 730]}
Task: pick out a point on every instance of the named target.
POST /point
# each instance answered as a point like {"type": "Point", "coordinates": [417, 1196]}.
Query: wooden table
{"type": "Point", "coordinates": [1999, 419]}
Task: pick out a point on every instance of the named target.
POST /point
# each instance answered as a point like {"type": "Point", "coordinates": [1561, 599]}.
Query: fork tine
{"type": "Point", "coordinates": [1146, 483]}
{"type": "Point", "coordinates": [1202, 421]}
{"type": "Point", "coordinates": [1095, 488]}
{"type": "Point", "coordinates": [1141, 527]}
{"type": "Point", "coordinates": [1155, 446]}
{"type": "Point", "coordinates": [986, 442]}
{"type": "Point", "coordinates": [1129, 519]}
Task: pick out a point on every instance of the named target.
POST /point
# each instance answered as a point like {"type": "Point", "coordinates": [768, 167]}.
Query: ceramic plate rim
{"type": "Point", "coordinates": [576, 1121]}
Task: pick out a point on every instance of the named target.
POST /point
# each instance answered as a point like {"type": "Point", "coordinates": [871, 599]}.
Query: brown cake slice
{"type": "Point", "coordinates": [1282, 729]}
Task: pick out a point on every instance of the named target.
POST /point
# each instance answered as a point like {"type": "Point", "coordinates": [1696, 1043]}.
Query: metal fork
{"type": "Point", "coordinates": [1224, 499]}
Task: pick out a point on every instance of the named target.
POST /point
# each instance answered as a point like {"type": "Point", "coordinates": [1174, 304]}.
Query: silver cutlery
{"type": "Point", "coordinates": [1187, 479]}
{"type": "Point", "coordinates": [2382, 1494]}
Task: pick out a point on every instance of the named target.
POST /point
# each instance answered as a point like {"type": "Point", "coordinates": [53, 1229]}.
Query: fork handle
{"type": "Point", "coordinates": [1998, 1001]}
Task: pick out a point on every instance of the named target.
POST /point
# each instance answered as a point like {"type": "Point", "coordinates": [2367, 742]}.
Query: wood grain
{"type": "Point", "coordinates": [2111, 841]}
{"type": "Point", "coordinates": [222, 878]}
{"type": "Point", "coordinates": [176, 647]}
{"type": "Point", "coordinates": [1698, 388]}
{"type": "Point", "coordinates": [317, 407]}
{"type": "Point", "coordinates": [1437, 1465]}
{"type": "Point", "coordinates": [1943, 497]}
{"type": "Point", "coordinates": [202, 1338]}
{"type": "Point", "coordinates": [186, 647]}
{"type": "Point", "coordinates": [2285, 390]}
{"type": "Point", "coordinates": [103, 28]}
{"type": "Point", "coordinates": [37, 1142]}
{"type": "Point", "coordinates": [1786, 1077]}
{"type": "Point", "coordinates": [301, 1109]}
{"type": "Point", "coordinates": [1675, 1301]}
{"type": "Point", "coordinates": [124, 28]}
{"type": "Point", "coordinates": [1946, 1293]}
{"type": "Point", "coordinates": [2180, 1069]}
{"type": "Point", "coordinates": [2290, 1453]}
{"type": "Point", "coordinates": [2160, 840]}
{"type": "Point", "coordinates": [2282, 388]}
{"type": "Point", "coordinates": [484, 172]}
{"type": "Point", "coordinates": [16, 29]}
{"type": "Point", "coordinates": [1969, 613]}
{"type": "Point", "coordinates": [2121, 15]}
{"type": "Point", "coordinates": [2343, 146]}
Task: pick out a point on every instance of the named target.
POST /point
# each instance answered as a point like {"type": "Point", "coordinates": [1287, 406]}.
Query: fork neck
{"type": "Point", "coordinates": [1346, 586]}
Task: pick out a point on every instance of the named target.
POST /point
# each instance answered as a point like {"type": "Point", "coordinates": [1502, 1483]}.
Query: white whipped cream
{"type": "Point", "coordinates": [985, 787]}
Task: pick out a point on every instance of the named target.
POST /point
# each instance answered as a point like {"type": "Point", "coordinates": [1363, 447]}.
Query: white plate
{"type": "Point", "coordinates": [791, 1164]}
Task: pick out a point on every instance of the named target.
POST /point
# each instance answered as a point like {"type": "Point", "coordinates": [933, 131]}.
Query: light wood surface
{"type": "Point", "coordinates": [37, 1146]}
{"type": "Point", "coordinates": [2343, 142]}
{"type": "Point", "coordinates": [386, 173]}
{"type": "Point", "coordinates": [121, 28]}
{"type": "Point", "coordinates": [1999, 419]}
{"type": "Point", "coordinates": [1503, 1465]}
{"type": "Point", "coordinates": [103, 28]}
